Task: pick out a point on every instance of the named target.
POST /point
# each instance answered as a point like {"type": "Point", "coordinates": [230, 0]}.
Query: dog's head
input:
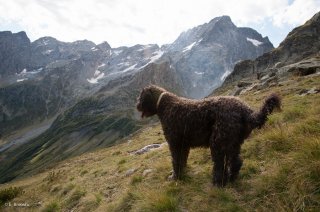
{"type": "Point", "coordinates": [147, 100]}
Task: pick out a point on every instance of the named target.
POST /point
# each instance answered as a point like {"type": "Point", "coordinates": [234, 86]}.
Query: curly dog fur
{"type": "Point", "coordinates": [220, 123]}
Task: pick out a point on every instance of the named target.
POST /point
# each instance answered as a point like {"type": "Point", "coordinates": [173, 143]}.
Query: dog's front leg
{"type": "Point", "coordinates": [179, 160]}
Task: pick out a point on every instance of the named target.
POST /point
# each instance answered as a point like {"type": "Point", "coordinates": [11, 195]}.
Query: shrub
{"type": "Point", "coordinates": [136, 179]}
{"type": "Point", "coordinates": [52, 207]}
{"type": "Point", "coordinates": [125, 203]}
{"type": "Point", "coordinates": [83, 172]}
{"type": "Point", "coordinates": [75, 197]}
{"type": "Point", "coordinates": [122, 161]}
{"type": "Point", "coordinates": [8, 194]}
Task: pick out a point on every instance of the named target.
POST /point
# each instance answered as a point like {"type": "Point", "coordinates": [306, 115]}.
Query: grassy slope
{"type": "Point", "coordinates": [281, 169]}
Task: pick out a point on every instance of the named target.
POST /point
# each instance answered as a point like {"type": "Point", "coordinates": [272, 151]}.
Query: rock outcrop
{"type": "Point", "coordinates": [300, 44]}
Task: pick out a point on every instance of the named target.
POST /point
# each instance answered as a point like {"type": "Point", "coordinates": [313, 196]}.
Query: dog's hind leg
{"type": "Point", "coordinates": [235, 163]}
{"type": "Point", "coordinates": [220, 170]}
{"type": "Point", "coordinates": [220, 159]}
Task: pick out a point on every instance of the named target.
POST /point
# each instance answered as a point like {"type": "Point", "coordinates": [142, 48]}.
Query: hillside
{"type": "Point", "coordinates": [94, 122]}
{"type": "Point", "coordinates": [281, 169]}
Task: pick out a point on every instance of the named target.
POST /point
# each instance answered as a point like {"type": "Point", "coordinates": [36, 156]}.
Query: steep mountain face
{"type": "Point", "coordinates": [301, 43]}
{"type": "Point", "coordinates": [54, 75]}
{"type": "Point", "coordinates": [92, 89]}
{"type": "Point", "coordinates": [51, 78]}
{"type": "Point", "coordinates": [14, 52]}
{"type": "Point", "coordinates": [206, 54]}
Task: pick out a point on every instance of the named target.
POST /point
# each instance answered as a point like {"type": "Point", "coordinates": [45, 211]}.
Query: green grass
{"type": "Point", "coordinates": [122, 161]}
{"type": "Point", "coordinates": [67, 189]}
{"type": "Point", "coordinates": [281, 170]}
{"type": "Point", "coordinates": [74, 198]}
{"type": "Point", "coordinates": [8, 194]}
{"type": "Point", "coordinates": [53, 206]}
{"type": "Point", "coordinates": [83, 172]}
{"type": "Point", "coordinates": [125, 203]}
{"type": "Point", "coordinates": [136, 180]}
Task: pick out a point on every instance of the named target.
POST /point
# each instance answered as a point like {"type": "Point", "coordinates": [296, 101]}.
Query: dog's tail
{"type": "Point", "coordinates": [259, 118]}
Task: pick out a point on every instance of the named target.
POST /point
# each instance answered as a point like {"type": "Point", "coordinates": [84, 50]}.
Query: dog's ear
{"type": "Point", "coordinates": [149, 91]}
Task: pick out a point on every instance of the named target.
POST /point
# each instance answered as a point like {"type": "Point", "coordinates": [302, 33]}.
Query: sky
{"type": "Point", "coordinates": [130, 22]}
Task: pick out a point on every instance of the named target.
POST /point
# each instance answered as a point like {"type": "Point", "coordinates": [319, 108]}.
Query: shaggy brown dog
{"type": "Point", "coordinates": [221, 123]}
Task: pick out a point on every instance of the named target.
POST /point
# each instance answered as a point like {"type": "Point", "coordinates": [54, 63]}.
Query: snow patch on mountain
{"type": "Point", "coordinates": [117, 52]}
{"type": "Point", "coordinates": [47, 51]}
{"type": "Point", "coordinates": [21, 80]}
{"type": "Point", "coordinates": [199, 73]}
{"type": "Point", "coordinates": [34, 71]}
{"type": "Point", "coordinates": [97, 75]}
{"type": "Point", "coordinates": [123, 64]}
{"type": "Point", "coordinates": [128, 69]}
{"type": "Point", "coordinates": [188, 48]}
{"type": "Point", "coordinates": [225, 74]}
{"type": "Point", "coordinates": [156, 56]}
{"type": "Point", "coordinates": [254, 41]}
{"type": "Point", "coordinates": [24, 71]}
{"type": "Point", "coordinates": [143, 48]}
{"type": "Point", "coordinates": [103, 64]}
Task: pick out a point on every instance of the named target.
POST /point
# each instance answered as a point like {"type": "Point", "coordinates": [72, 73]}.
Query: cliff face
{"type": "Point", "coordinates": [301, 43]}
{"type": "Point", "coordinates": [15, 51]}
{"type": "Point", "coordinates": [205, 55]}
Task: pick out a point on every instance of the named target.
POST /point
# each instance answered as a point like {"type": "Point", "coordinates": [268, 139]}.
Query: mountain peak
{"type": "Point", "coordinates": [104, 45]}
{"type": "Point", "coordinates": [221, 19]}
{"type": "Point", "coordinates": [221, 23]}
{"type": "Point", "coordinates": [46, 39]}
{"type": "Point", "coordinates": [225, 18]}
{"type": "Point", "coordinates": [22, 35]}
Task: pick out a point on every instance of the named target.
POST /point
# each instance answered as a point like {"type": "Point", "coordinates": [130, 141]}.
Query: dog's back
{"type": "Point", "coordinates": [193, 121]}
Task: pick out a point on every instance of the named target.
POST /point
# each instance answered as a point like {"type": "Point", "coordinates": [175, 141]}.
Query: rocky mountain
{"type": "Point", "coordinates": [302, 43]}
{"type": "Point", "coordinates": [92, 89]}
{"type": "Point", "coordinates": [205, 55]}
{"type": "Point", "coordinates": [94, 122]}
{"type": "Point", "coordinates": [54, 75]}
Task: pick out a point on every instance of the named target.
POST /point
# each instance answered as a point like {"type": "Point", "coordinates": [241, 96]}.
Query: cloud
{"type": "Point", "coordinates": [296, 13]}
{"type": "Point", "coordinates": [127, 22]}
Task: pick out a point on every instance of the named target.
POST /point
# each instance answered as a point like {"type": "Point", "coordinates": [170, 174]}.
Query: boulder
{"type": "Point", "coordinates": [236, 91]}
{"type": "Point", "coordinates": [305, 92]}
{"type": "Point", "coordinates": [244, 83]}
{"type": "Point", "coordinates": [303, 71]}
{"type": "Point", "coordinates": [130, 172]}
{"type": "Point", "coordinates": [145, 149]}
{"type": "Point", "coordinates": [146, 172]}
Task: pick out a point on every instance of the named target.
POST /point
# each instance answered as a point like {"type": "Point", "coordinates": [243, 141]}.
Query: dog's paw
{"type": "Point", "coordinates": [172, 176]}
{"type": "Point", "coordinates": [219, 183]}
